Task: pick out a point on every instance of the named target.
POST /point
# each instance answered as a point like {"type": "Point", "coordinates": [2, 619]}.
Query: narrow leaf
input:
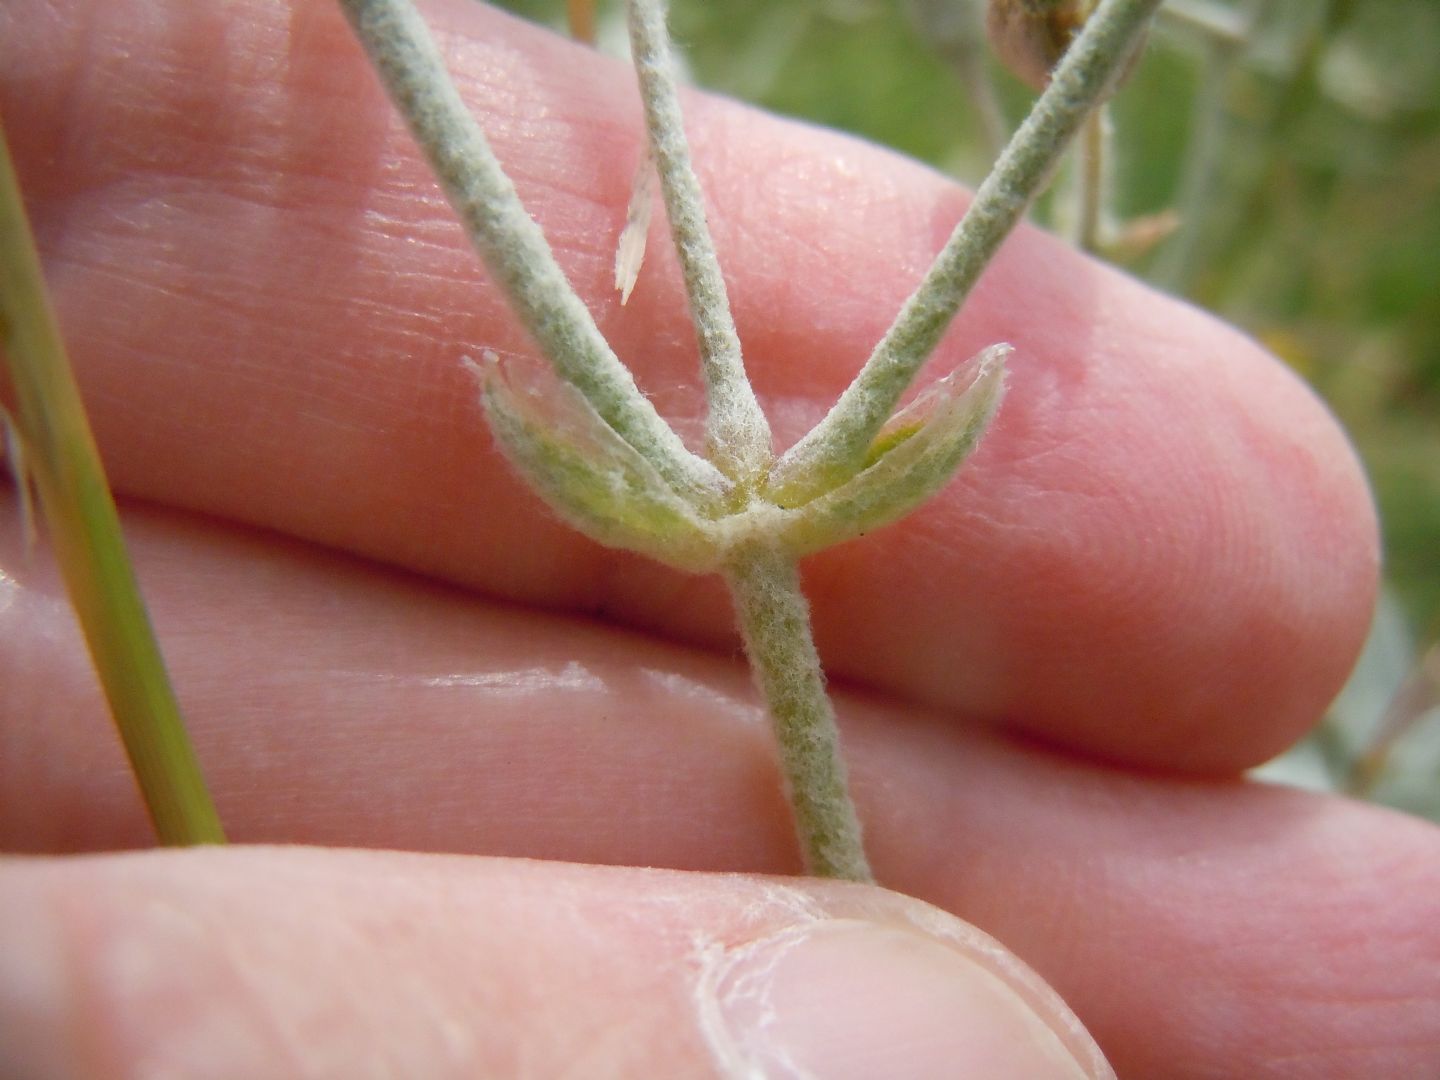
{"type": "Point", "coordinates": [84, 532]}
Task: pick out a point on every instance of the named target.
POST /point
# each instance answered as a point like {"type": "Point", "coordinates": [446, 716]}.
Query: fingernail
{"type": "Point", "coordinates": [850, 998]}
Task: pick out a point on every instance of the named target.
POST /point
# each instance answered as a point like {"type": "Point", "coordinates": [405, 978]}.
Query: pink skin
{"type": "Point", "coordinates": [1163, 556]}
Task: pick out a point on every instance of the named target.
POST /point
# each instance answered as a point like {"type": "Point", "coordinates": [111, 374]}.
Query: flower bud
{"type": "Point", "coordinates": [1030, 36]}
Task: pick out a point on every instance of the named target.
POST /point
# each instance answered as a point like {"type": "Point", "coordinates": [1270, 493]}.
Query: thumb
{"type": "Point", "coordinates": [295, 962]}
{"type": "Point", "coordinates": [884, 997]}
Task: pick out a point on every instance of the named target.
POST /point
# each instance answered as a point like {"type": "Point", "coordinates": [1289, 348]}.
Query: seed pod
{"type": "Point", "coordinates": [1030, 36]}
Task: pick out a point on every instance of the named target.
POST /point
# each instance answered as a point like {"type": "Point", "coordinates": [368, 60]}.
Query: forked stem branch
{"type": "Point", "coordinates": [730, 509]}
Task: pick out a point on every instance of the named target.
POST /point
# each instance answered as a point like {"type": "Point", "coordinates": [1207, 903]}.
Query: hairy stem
{"type": "Point", "coordinates": [775, 623]}
{"type": "Point", "coordinates": [1082, 81]}
{"type": "Point", "coordinates": [511, 243]}
{"type": "Point", "coordinates": [738, 434]}
{"type": "Point", "coordinates": [84, 530]}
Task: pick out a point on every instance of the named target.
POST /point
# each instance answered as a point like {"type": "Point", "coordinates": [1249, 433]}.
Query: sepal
{"type": "Point", "coordinates": [585, 472]}
{"type": "Point", "coordinates": [914, 455]}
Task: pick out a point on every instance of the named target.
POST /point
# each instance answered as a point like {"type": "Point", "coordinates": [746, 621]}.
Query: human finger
{"type": "Point", "coordinates": [319, 963]}
{"type": "Point", "coordinates": [1163, 554]}
{"type": "Point", "coordinates": [337, 703]}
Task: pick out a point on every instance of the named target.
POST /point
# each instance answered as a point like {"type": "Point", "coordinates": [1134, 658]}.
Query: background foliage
{"type": "Point", "coordinates": [1316, 228]}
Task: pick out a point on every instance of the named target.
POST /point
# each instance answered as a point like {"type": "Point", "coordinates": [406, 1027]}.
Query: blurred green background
{"type": "Point", "coordinates": [1299, 143]}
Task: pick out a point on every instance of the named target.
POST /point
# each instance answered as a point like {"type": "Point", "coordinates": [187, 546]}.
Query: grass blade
{"type": "Point", "coordinates": [84, 531]}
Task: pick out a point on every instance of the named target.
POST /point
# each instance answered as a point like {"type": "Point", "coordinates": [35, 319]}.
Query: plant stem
{"type": "Point", "coordinates": [738, 435]}
{"type": "Point", "coordinates": [968, 64]}
{"type": "Point", "coordinates": [85, 531]}
{"type": "Point", "coordinates": [512, 244]}
{"type": "Point", "coordinates": [775, 623]}
{"type": "Point", "coordinates": [955, 31]}
{"type": "Point", "coordinates": [1217, 21]}
{"type": "Point", "coordinates": [1082, 80]}
{"type": "Point", "coordinates": [1091, 189]}
{"type": "Point", "coordinates": [1415, 699]}
{"type": "Point", "coordinates": [1178, 262]}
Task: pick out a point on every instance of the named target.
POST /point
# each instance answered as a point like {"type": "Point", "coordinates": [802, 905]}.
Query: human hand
{"type": "Point", "coordinates": [1152, 575]}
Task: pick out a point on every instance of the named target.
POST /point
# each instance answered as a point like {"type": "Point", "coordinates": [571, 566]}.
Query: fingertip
{"type": "Point", "coordinates": [270, 962]}
{"type": "Point", "coordinates": [852, 998]}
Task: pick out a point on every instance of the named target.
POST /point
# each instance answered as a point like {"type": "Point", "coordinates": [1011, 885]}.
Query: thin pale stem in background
{"type": "Point", "coordinates": [1217, 21]}
{"type": "Point", "coordinates": [1416, 696]}
{"type": "Point", "coordinates": [84, 531]}
{"type": "Point", "coordinates": [511, 243]}
{"type": "Point", "coordinates": [775, 624]}
{"type": "Point", "coordinates": [955, 31]}
{"type": "Point", "coordinates": [1092, 182]}
{"type": "Point", "coordinates": [973, 74]}
{"type": "Point", "coordinates": [738, 435]}
{"type": "Point", "coordinates": [1176, 264]}
{"type": "Point", "coordinates": [1082, 81]}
